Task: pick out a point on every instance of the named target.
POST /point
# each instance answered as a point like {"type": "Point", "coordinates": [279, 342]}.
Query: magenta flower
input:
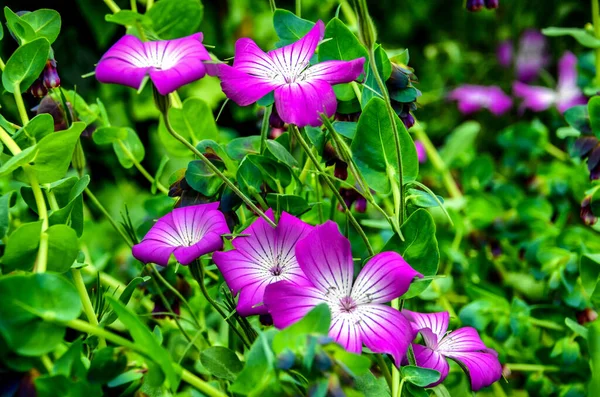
{"type": "Point", "coordinates": [566, 95]}
{"type": "Point", "coordinates": [462, 345]}
{"type": "Point", "coordinates": [264, 257]}
{"type": "Point", "coordinates": [187, 233]}
{"type": "Point", "coordinates": [421, 153]}
{"type": "Point", "coordinates": [169, 63]}
{"type": "Point", "coordinates": [532, 55]}
{"type": "Point", "coordinates": [302, 91]}
{"type": "Point", "coordinates": [504, 53]}
{"type": "Point", "coordinates": [472, 98]}
{"type": "Point", "coordinates": [358, 311]}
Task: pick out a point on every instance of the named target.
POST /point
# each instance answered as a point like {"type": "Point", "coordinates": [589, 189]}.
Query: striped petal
{"type": "Point", "coordinates": [124, 63]}
{"type": "Point", "coordinates": [336, 72]}
{"type": "Point", "coordinates": [301, 103]}
{"type": "Point", "coordinates": [483, 368]}
{"type": "Point", "coordinates": [287, 302]}
{"type": "Point", "coordinates": [437, 323]}
{"type": "Point", "coordinates": [428, 358]}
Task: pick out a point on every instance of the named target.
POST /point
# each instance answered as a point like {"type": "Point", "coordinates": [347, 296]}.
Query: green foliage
{"type": "Point", "coordinates": [176, 18]}
{"type": "Point", "coordinates": [221, 362]}
{"type": "Point", "coordinates": [582, 36]}
{"type": "Point", "coordinates": [289, 27]}
{"type": "Point", "coordinates": [25, 65]}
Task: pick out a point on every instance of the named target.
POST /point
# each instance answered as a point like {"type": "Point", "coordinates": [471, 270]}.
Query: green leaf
{"type": "Point", "coordinates": [6, 201]}
{"type": "Point", "coordinates": [25, 157]}
{"type": "Point", "coordinates": [460, 141]}
{"type": "Point", "coordinates": [194, 122]}
{"type": "Point", "coordinates": [25, 65]}
{"type": "Point", "coordinates": [258, 372]}
{"type": "Point", "coordinates": [374, 151]}
{"type": "Point", "coordinates": [106, 364]}
{"type": "Point", "coordinates": [594, 113]}
{"type": "Point", "coordinates": [582, 36]}
{"type": "Point", "coordinates": [172, 19]}
{"type": "Point", "coordinates": [60, 385]}
{"type": "Point", "coordinates": [128, 18]}
{"type": "Point", "coordinates": [1, 32]}
{"type": "Point", "coordinates": [372, 386]}
{"type": "Point", "coordinates": [419, 248]}
{"type": "Point", "coordinates": [249, 177]}
{"type": "Point", "coordinates": [22, 246]}
{"type": "Point", "coordinates": [577, 328]}
{"type": "Point", "coordinates": [345, 128]}
{"type": "Point", "coordinates": [45, 23]}
{"type": "Point", "coordinates": [343, 44]}
{"type": "Point", "coordinates": [133, 145]}
{"type": "Point", "coordinates": [294, 337]}
{"type": "Point", "coordinates": [56, 152]}
{"type": "Point", "coordinates": [355, 364]}
{"type": "Point", "coordinates": [144, 338]}
{"type": "Point", "coordinates": [384, 67]}
{"type": "Point", "coordinates": [70, 364]}
{"type": "Point", "coordinates": [281, 153]}
{"type": "Point", "coordinates": [589, 270]}
{"type": "Point", "coordinates": [20, 28]}
{"type": "Point", "coordinates": [37, 128]}
{"type": "Point", "coordinates": [578, 118]}
{"type": "Point", "coordinates": [594, 351]}
{"type": "Point", "coordinates": [289, 27]}
{"type": "Point", "coordinates": [106, 135]}
{"type": "Point", "coordinates": [238, 148]}
{"type": "Point", "coordinates": [221, 362]}
{"type": "Point", "coordinates": [419, 376]}
{"type": "Point", "coordinates": [72, 212]}
{"type": "Point", "coordinates": [24, 298]}
{"type": "Point", "coordinates": [62, 248]}
{"type": "Point", "coordinates": [202, 179]}
{"type": "Point", "coordinates": [110, 317]}
{"type": "Point", "coordinates": [291, 204]}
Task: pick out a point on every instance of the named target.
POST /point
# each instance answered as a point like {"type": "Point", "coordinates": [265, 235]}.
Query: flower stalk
{"type": "Point", "coordinates": [264, 128]}
{"type": "Point", "coordinates": [596, 22]}
{"type": "Point", "coordinates": [141, 168]}
{"type": "Point", "coordinates": [108, 217]}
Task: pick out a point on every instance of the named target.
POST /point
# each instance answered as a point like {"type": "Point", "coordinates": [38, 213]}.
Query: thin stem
{"type": "Point", "coordinates": [2, 66]}
{"type": "Point", "coordinates": [133, 5]}
{"type": "Point", "coordinates": [141, 168]}
{"type": "Point", "coordinates": [438, 163]}
{"type": "Point", "coordinates": [319, 197]}
{"type": "Point", "coordinates": [197, 270]}
{"type": "Point", "coordinates": [88, 308]}
{"type": "Point", "coordinates": [264, 129]}
{"type": "Point", "coordinates": [46, 362]}
{"type": "Point", "coordinates": [186, 376]}
{"type": "Point", "coordinates": [545, 324]}
{"type": "Point", "coordinates": [149, 4]}
{"type": "Point", "coordinates": [335, 192]}
{"type": "Point", "coordinates": [20, 104]}
{"type": "Point", "coordinates": [114, 8]}
{"type": "Point", "coordinates": [395, 370]}
{"type": "Point", "coordinates": [384, 369]}
{"type": "Point", "coordinates": [299, 8]}
{"type": "Point", "coordinates": [596, 21]}
{"type": "Point", "coordinates": [399, 391]}
{"type": "Point", "coordinates": [107, 215]}
{"type": "Point", "coordinates": [218, 172]}
{"type": "Point", "coordinates": [532, 368]}
{"type": "Point", "coordinates": [556, 152]}
{"type": "Point", "coordinates": [273, 6]}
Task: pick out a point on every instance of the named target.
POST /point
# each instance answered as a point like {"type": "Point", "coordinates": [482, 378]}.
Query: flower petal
{"type": "Point", "coordinates": [250, 59]}
{"type": "Point", "coordinates": [208, 243]}
{"type": "Point", "coordinates": [325, 257]}
{"type": "Point", "coordinates": [385, 277]}
{"type": "Point", "coordinates": [535, 98]}
{"type": "Point", "coordinates": [569, 94]}
{"type": "Point", "coordinates": [336, 72]}
{"type": "Point", "coordinates": [301, 103]}
{"type": "Point", "coordinates": [483, 368]}
{"type": "Point", "coordinates": [124, 63]}
{"type": "Point", "coordinates": [384, 330]}
{"type": "Point", "coordinates": [292, 59]}
{"type": "Point", "coordinates": [436, 322]}
{"type": "Point", "coordinates": [287, 302]}
{"type": "Point", "coordinates": [472, 98]}
{"type": "Point", "coordinates": [153, 251]}
{"type": "Point", "coordinates": [464, 339]}
{"type": "Point", "coordinates": [243, 88]}
{"type": "Point", "coordinates": [499, 103]}
{"type": "Point", "coordinates": [345, 332]}
{"type": "Point", "coordinates": [531, 57]}
{"type": "Point", "coordinates": [504, 53]}
{"type": "Point", "coordinates": [428, 358]}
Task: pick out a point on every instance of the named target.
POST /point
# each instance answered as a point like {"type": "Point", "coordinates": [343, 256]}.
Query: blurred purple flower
{"type": "Point", "coordinates": [187, 233]}
{"type": "Point", "coordinates": [504, 53]}
{"type": "Point", "coordinates": [462, 345]}
{"type": "Point", "coordinates": [302, 91]}
{"type": "Point", "coordinates": [472, 98]}
{"type": "Point", "coordinates": [566, 95]}
{"type": "Point", "coordinates": [264, 257]}
{"type": "Point", "coordinates": [532, 55]}
{"type": "Point", "coordinates": [358, 311]}
{"type": "Point", "coordinates": [474, 5]}
{"type": "Point", "coordinates": [421, 153]}
{"type": "Point", "coordinates": [169, 63]}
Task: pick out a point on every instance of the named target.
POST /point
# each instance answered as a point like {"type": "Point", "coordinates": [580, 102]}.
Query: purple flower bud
{"type": "Point", "coordinates": [341, 170]}
{"type": "Point", "coordinates": [274, 119]}
{"type": "Point", "coordinates": [504, 53]}
{"type": "Point", "coordinates": [587, 315]}
{"type": "Point", "coordinates": [361, 205]}
{"type": "Point", "coordinates": [593, 163]}
{"type": "Point", "coordinates": [491, 4]}
{"type": "Point", "coordinates": [408, 120]}
{"type": "Point", "coordinates": [586, 214]}
{"type": "Point", "coordinates": [474, 5]}
{"type": "Point", "coordinates": [421, 153]}
{"type": "Point", "coordinates": [265, 320]}
{"type": "Point", "coordinates": [50, 75]}
{"type": "Point", "coordinates": [38, 89]}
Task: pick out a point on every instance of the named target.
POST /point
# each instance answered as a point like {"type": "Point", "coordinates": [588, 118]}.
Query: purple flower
{"type": "Point", "coordinates": [302, 91]}
{"type": "Point", "coordinates": [566, 95]}
{"type": "Point", "coordinates": [187, 232]}
{"type": "Point", "coordinates": [264, 257]}
{"type": "Point", "coordinates": [472, 98]}
{"type": "Point", "coordinates": [358, 311]}
{"type": "Point", "coordinates": [421, 153]}
{"type": "Point", "coordinates": [504, 53]}
{"type": "Point", "coordinates": [462, 345]}
{"type": "Point", "coordinates": [50, 75]}
{"type": "Point", "coordinates": [169, 63]}
{"type": "Point", "coordinates": [532, 55]}
{"type": "Point", "coordinates": [474, 5]}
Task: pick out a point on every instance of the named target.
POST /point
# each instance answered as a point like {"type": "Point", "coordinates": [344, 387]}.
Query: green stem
{"type": "Point", "coordinates": [114, 8]}
{"type": "Point", "coordinates": [395, 371]}
{"type": "Point", "coordinates": [149, 4]}
{"type": "Point", "coordinates": [335, 192]}
{"type": "Point", "coordinates": [596, 21]}
{"type": "Point", "coordinates": [532, 368]}
{"type": "Point", "coordinates": [141, 168]}
{"type": "Point", "coordinates": [299, 8]}
{"type": "Point", "coordinates": [197, 270]}
{"type": "Point", "coordinates": [273, 6]}
{"type": "Point", "coordinates": [88, 308]}
{"type": "Point", "coordinates": [133, 5]}
{"type": "Point", "coordinates": [186, 376]}
{"type": "Point", "coordinates": [399, 391]}
{"type": "Point", "coordinates": [438, 163]}
{"type": "Point", "coordinates": [546, 324]}
{"type": "Point", "coordinates": [264, 129]}
{"type": "Point", "coordinates": [20, 104]}
{"type": "Point", "coordinates": [217, 172]}
{"type": "Point", "coordinates": [107, 215]}
{"type": "Point", "coordinates": [2, 65]}
{"type": "Point", "coordinates": [556, 152]}
{"type": "Point", "coordinates": [384, 369]}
